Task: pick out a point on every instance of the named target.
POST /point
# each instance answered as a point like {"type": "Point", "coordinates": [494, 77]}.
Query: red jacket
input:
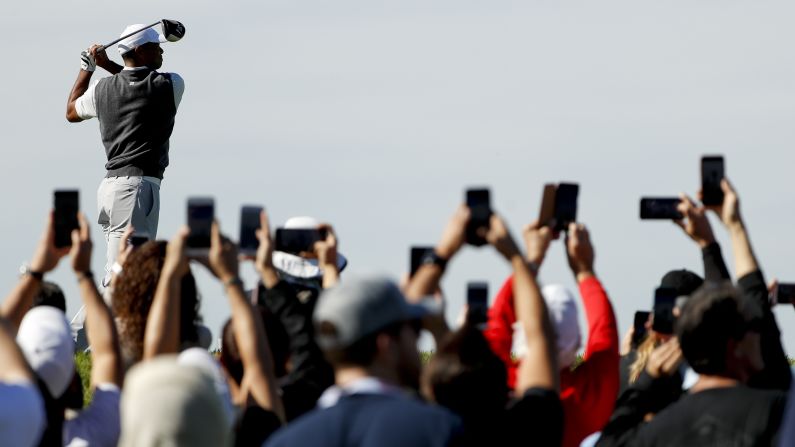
{"type": "Point", "coordinates": [589, 392]}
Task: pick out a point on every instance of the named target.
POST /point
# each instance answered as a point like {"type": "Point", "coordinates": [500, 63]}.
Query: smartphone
{"type": "Point", "coordinates": [201, 212]}
{"type": "Point", "coordinates": [417, 253]}
{"type": "Point", "coordinates": [664, 301]}
{"type": "Point", "coordinates": [479, 203]}
{"type": "Point", "coordinates": [295, 240]}
{"type": "Point", "coordinates": [547, 212]}
{"type": "Point", "coordinates": [477, 302]}
{"type": "Point", "coordinates": [138, 239]}
{"type": "Point", "coordinates": [249, 225]}
{"type": "Point", "coordinates": [67, 205]}
{"type": "Point", "coordinates": [712, 172]}
{"type": "Point", "coordinates": [785, 293]}
{"type": "Point", "coordinates": [660, 208]}
{"type": "Point", "coordinates": [566, 205]}
{"type": "Point", "coordinates": [639, 333]}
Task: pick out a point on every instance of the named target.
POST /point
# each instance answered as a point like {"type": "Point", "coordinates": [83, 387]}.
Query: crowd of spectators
{"type": "Point", "coordinates": [310, 359]}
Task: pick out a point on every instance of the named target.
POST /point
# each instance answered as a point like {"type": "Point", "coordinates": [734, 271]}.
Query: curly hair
{"type": "Point", "coordinates": [133, 292]}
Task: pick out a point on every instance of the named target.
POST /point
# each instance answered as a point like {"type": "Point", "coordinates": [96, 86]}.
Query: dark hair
{"type": "Point", "coordinates": [711, 318]}
{"type": "Point", "coordinates": [362, 352]}
{"type": "Point", "coordinates": [278, 341]}
{"type": "Point", "coordinates": [466, 376]}
{"type": "Point", "coordinates": [133, 292]}
{"type": "Point", "coordinates": [50, 295]}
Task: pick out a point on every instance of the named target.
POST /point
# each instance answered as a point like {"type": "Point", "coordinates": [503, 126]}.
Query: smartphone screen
{"type": "Point", "coordinates": [712, 172]}
{"type": "Point", "coordinates": [639, 333]}
{"type": "Point", "coordinates": [249, 225]}
{"type": "Point", "coordinates": [785, 293]}
{"type": "Point", "coordinates": [201, 212]}
{"type": "Point", "coordinates": [566, 205]}
{"type": "Point", "coordinates": [477, 302]}
{"type": "Point", "coordinates": [479, 203]}
{"type": "Point", "coordinates": [664, 301]}
{"type": "Point", "coordinates": [296, 241]}
{"type": "Point", "coordinates": [67, 205]}
{"type": "Point", "coordinates": [547, 212]}
{"type": "Point", "coordinates": [660, 208]}
{"type": "Point", "coordinates": [416, 256]}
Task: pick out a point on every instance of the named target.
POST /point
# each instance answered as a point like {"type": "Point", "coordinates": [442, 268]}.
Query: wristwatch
{"type": "Point", "coordinates": [432, 258]}
{"type": "Point", "coordinates": [25, 269]}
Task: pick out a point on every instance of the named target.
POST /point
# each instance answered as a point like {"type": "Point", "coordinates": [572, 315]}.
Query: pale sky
{"type": "Point", "coordinates": [376, 115]}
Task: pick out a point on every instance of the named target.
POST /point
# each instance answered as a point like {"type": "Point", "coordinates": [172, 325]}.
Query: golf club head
{"type": "Point", "coordinates": [173, 30]}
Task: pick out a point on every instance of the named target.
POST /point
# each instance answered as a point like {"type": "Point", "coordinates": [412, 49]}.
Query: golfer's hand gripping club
{"type": "Point", "coordinates": [87, 61]}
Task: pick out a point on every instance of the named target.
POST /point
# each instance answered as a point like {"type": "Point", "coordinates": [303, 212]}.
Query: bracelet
{"type": "Point", "coordinates": [81, 276]}
{"type": "Point", "coordinates": [234, 281]}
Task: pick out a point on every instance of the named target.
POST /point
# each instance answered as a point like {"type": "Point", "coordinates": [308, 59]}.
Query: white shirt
{"type": "Point", "coordinates": [22, 416]}
{"type": "Point", "coordinates": [99, 424]}
{"type": "Point", "coordinates": [86, 105]}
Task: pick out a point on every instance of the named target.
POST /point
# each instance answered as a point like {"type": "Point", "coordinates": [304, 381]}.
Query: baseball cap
{"type": "Point", "coordinates": [361, 306]}
{"type": "Point", "coordinates": [299, 267]}
{"type": "Point", "coordinates": [149, 35]}
{"type": "Point", "coordinates": [46, 341]}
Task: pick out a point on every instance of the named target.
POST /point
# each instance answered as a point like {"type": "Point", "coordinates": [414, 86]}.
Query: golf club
{"type": "Point", "coordinates": [172, 30]}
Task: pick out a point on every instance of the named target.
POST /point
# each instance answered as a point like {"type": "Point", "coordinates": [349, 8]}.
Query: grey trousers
{"type": "Point", "coordinates": [124, 201]}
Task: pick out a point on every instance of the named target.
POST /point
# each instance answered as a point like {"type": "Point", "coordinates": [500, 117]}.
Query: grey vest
{"type": "Point", "coordinates": [136, 116]}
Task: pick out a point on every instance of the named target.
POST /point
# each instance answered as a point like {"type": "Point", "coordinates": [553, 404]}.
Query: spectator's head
{"type": "Point", "coordinates": [562, 308]}
{"type": "Point", "coordinates": [168, 403]}
{"type": "Point", "coordinates": [302, 270]}
{"type": "Point", "coordinates": [278, 341]}
{"type": "Point", "coordinates": [133, 292]}
{"type": "Point", "coordinates": [367, 323]}
{"type": "Point", "coordinates": [465, 376]}
{"type": "Point", "coordinates": [684, 282]}
{"type": "Point", "coordinates": [717, 336]}
{"type": "Point", "coordinates": [46, 341]}
{"type": "Point", "coordinates": [50, 295]}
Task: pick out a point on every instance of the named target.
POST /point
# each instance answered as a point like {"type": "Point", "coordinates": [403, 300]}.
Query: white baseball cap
{"type": "Point", "coordinates": [46, 341]}
{"type": "Point", "coordinates": [136, 40]}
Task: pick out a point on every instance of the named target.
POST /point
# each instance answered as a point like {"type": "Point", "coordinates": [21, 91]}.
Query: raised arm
{"type": "Point", "coordinates": [539, 366]}
{"type": "Point", "coordinates": [13, 367]}
{"type": "Point", "coordinates": [426, 280]}
{"type": "Point", "coordinates": [100, 328]}
{"type": "Point", "coordinates": [18, 302]}
{"type": "Point", "coordinates": [258, 377]}
{"type": "Point", "coordinates": [162, 325]}
{"type": "Point", "coordinates": [696, 226]}
{"type": "Point", "coordinates": [776, 373]}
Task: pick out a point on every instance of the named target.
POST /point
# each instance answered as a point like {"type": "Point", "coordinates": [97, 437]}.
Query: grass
{"type": "Point", "coordinates": [83, 364]}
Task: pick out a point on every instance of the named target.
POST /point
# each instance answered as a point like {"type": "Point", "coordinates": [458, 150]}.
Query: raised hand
{"type": "Point", "coordinates": [537, 238]}
{"type": "Point", "coordinates": [222, 258]}
{"type": "Point", "coordinates": [664, 361]}
{"type": "Point", "coordinates": [695, 223]}
{"type": "Point", "coordinates": [500, 238]}
{"type": "Point", "coordinates": [81, 246]}
{"type": "Point", "coordinates": [580, 251]}
{"type": "Point", "coordinates": [454, 234]}
{"type": "Point", "coordinates": [47, 254]}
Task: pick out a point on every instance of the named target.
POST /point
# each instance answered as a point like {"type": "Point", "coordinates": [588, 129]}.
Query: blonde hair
{"type": "Point", "coordinates": [644, 351]}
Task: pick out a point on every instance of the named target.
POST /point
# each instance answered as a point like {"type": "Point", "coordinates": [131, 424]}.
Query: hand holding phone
{"type": "Point", "coordinates": [298, 240]}
{"type": "Point", "coordinates": [639, 327]}
{"type": "Point", "coordinates": [479, 203]}
{"type": "Point", "coordinates": [67, 205]}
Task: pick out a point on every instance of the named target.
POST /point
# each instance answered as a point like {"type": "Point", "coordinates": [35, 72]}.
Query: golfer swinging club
{"type": "Point", "coordinates": [135, 107]}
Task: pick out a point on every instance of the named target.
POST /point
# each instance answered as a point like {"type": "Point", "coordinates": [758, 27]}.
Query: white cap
{"type": "Point", "coordinates": [136, 40]}
{"type": "Point", "coordinates": [46, 340]}
{"type": "Point", "coordinates": [563, 314]}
